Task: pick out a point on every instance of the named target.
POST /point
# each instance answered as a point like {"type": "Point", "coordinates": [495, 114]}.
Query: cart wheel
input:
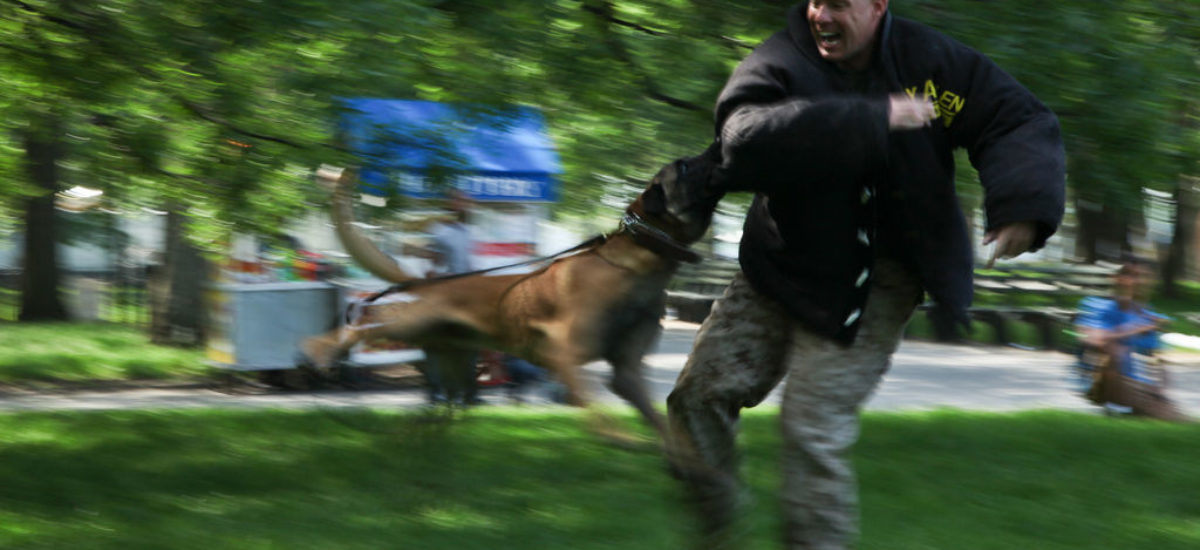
{"type": "Point", "coordinates": [353, 377]}
{"type": "Point", "coordinates": [273, 378]}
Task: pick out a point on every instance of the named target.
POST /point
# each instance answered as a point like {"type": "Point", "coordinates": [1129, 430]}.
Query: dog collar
{"type": "Point", "coordinates": [655, 239]}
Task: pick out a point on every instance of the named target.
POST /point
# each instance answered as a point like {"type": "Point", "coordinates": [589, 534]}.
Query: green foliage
{"type": "Point", "coordinates": [1116, 73]}
{"type": "Point", "coordinates": [535, 480]}
{"type": "Point", "coordinates": [226, 107]}
{"type": "Point", "coordinates": [1184, 309]}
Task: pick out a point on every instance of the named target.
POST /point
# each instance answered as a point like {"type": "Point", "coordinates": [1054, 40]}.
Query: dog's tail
{"type": "Point", "coordinates": [361, 249]}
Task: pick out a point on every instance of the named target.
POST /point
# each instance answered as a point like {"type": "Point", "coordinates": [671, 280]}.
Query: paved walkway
{"type": "Point", "coordinates": [923, 376]}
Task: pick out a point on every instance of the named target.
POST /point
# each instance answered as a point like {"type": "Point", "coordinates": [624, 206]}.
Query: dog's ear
{"type": "Point", "coordinates": [654, 199]}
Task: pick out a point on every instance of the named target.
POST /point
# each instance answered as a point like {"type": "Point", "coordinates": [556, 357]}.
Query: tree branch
{"type": "Point", "coordinates": [735, 42]}
{"type": "Point", "coordinates": [606, 14]}
{"type": "Point", "coordinates": [203, 114]}
{"type": "Point", "coordinates": [51, 18]}
{"type": "Point", "coordinates": [188, 177]}
{"type": "Point", "coordinates": [612, 18]}
{"type": "Point", "coordinates": [654, 94]}
{"type": "Point", "coordinates": [196, 109]}
{"type": "Point", "coordinates": [24, 51]}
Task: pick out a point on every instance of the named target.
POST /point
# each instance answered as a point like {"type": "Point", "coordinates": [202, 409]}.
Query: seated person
{"type": "Point", "coordinates": [523, 375]}
{"type": "Point", "coordinates": [519, 377]}
{"type": "Point", "coordinates": [1119, 336]}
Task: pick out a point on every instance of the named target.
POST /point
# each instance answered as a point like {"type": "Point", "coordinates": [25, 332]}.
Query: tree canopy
{"type": "Point", "coordinates": [226, 106]}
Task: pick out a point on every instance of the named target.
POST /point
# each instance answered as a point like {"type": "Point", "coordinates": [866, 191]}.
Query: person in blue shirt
{"type": "Point", "coordinates": [1119, 338]}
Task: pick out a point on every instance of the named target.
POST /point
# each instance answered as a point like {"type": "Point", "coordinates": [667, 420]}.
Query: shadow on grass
{"type": "Point", "coordinates": [535, 480]}
{"type": "Point", "coordinates": [303, 480]}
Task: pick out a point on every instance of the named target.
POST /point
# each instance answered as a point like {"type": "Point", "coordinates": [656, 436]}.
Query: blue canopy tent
{"type": "Point", "coordinates": [499, 155]}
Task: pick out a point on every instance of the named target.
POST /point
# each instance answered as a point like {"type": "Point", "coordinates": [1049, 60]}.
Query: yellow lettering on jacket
{"type": "Point", "coordinates": [948, 104]}
{"type": "Point", "coordinates": [930, 89]}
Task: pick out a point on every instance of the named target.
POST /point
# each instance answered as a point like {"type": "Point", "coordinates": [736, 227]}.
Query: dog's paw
{"type": "Point", "coordinates": [610, 432]}
{"type": "Point", "coordinates": [316, 353]}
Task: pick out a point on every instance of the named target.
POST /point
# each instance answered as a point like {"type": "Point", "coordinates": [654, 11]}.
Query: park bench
{"type": "Point", "coordinates": [1061, 285]}
{"type": "Point", "coordinates": [1050, 280]}
{"type": "Point", "coordinates": [695, 287]}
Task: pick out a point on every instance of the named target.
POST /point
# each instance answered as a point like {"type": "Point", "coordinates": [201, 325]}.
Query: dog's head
{"type": "Point", "coordinates": [680, 199]}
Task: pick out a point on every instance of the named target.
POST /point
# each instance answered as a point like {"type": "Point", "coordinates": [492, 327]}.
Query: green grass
{"type": "Point", "coordinates": [56, 352]}
{"type": "Point", "coordinates": [9, 304]}
{"type": "Point", "coordinates": [919, 327]}
{"type": "Point", "coordinates": [1188, 301]}
{"type": "Point", "coordinates": [511, 479]}
{"type": "Point", "coordinates": [1020, 333]}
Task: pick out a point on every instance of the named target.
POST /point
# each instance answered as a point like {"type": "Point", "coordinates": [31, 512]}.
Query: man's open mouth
{"type": "Point", "coordinates": [829, 38]}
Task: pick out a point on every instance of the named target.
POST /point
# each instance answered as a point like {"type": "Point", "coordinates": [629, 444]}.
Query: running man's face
{"type": "Point", "coordinates": [845, 29]}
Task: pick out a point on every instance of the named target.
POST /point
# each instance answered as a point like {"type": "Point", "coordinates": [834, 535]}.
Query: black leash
{"type": "Point", "coordinates": [406, 285]}
{"type": "Point", "coordinates": [643, 233]}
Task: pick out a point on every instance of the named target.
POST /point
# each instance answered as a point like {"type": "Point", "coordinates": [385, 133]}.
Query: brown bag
{"type": "Point", "coordinates": [1104, 376]}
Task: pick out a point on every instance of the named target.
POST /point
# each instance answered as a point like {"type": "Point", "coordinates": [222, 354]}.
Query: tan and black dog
{"type": "Point", "coordinates": [603, 302]}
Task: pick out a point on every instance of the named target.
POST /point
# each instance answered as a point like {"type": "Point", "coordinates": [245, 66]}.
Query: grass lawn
{"type": "Point", "coordinates": [532, 479]}
{"type": "Point", "coordinates": [55, 352]}
{"type": "Point", "coordinates": [1188, 301]}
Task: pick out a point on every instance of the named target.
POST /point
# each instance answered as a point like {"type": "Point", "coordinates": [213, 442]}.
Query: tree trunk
{"type": "Point", "coordinates": [1187, 206]}
{"type": "Point", "coordinates": [40, 299]}
{"type": "Point", "coordinates": [177, 289]}
{"type": "Point", "coordinates": [1087, 214]}
{"type": "Point", "coordinates": [1103, 230]}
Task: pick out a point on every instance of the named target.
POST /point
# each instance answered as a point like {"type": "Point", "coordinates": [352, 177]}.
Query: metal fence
{"type": "Point", "coordinates": [117, 296]}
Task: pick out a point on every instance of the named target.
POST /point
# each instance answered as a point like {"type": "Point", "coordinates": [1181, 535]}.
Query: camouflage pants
{"type": "Point", "coordinates": [745, 347]}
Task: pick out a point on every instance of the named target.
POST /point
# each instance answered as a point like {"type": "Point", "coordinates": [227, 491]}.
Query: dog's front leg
{"type": "Point", "coordinates": [629, 383]}
{"type": "Point", "coordinates": [598, 421]}
{"type": "Point", "coordinates": [628, 375]}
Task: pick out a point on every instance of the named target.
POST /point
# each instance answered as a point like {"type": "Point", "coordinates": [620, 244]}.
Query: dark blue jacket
{"type": "Point", "coordinates": [835, 189]}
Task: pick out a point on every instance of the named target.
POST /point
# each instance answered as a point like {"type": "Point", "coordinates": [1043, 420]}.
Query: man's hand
{"type": "Point", "coordinates": [1011, 240]}
{"type": "Point", "coordinates": [909, 113]}
{"type": "Point", "coordinates": [328, 176]}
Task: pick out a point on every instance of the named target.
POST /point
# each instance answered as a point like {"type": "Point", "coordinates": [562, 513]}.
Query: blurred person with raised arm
{"type": "Point", "coordinates": [844, 125]}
